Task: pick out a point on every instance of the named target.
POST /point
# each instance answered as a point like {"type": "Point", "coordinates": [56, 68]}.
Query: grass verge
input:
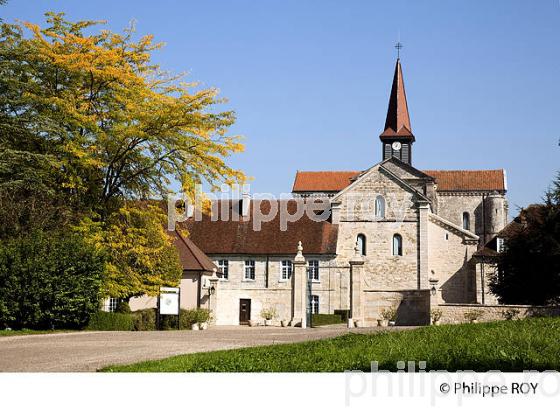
{"type": "Point", "coordinates": [530, 344]}
{"type": "Point", "coordinates": [6, 333]}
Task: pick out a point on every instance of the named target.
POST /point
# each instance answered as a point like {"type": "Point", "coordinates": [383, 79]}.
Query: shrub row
{"type": "Point", "coordinates": [325, 319]}
{"type": "Point", "coordinates": [110, 321]}
{"type": "Point", "coordinates": [144, 320]}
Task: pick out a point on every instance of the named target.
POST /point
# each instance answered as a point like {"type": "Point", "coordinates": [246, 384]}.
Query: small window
{"type": "Point", "coordinates": [446, 236]}
{"type": "Point", "coordinates": [379, 207]}
{"type": "Point", "coordinates": [249, 270]}
{"type": "Point", "coordinates": [314, 304]}
{"type": "Point", "coordinates": [110, 304]}
{"type": "Point", "coordinates": [466, 221]}
{"type": "Point", "coordinates": [361, 243]}
{"type": "Point", "coordinates": [314, 270]}
{"type": "Point", "coordinates": [500, 244]}
{"type": "Point", "coordinates": [286, 270]}
{"type": "Point", "coordinates": [223, 267]}
{"type": "Point", "coordinates": [397, 245]}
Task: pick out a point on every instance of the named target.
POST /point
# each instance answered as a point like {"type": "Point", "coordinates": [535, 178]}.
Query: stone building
{"type": "Point", "coordinates": [390, 236]}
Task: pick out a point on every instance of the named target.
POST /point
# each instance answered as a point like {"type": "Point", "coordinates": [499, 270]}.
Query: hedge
{"type": "Point", "coordinates": [325, 319]}
{"type": "Point", "coordinates": [48, 280]}
{"type": "Point", "coordinates": [111, 321]}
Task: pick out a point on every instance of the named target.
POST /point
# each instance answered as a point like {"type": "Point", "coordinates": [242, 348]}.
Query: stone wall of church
{"type": "Point", "coordinates": [382, 270]}
{"type": "Point", "coordinates": [358, 204]}
{"type": "Point", "coordinates": [452, 205]}
{"type": "Point", "coordinates": [412, 306]}
{"type": "Point", "coordinates": [450, 263]}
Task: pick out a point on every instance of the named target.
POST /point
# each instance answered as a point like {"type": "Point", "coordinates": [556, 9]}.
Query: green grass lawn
{"type": "Point", "coordinates": [30, 332]}
{"type": "Point", "coordinates": [531, 344]}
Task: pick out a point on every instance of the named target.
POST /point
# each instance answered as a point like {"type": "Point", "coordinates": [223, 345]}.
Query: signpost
{"type": "Point", "coordinates": [169, 302]}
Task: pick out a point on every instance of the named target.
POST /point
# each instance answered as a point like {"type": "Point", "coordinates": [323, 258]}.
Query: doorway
{"type": "Point", "coordinates": [244, 311]}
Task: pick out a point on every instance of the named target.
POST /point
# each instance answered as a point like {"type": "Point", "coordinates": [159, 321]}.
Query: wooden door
{"type": "Point", "coordinates": [244, 311]}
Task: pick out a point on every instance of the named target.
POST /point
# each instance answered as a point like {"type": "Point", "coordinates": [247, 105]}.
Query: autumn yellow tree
{"type": "Point", "coordinates": [114, 122]}
{"type": "Point", "coordinates": [140, 254]}
{"type": "Point", "coordinates": [89, 125]}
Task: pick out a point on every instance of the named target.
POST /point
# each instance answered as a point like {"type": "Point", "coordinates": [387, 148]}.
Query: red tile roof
{"type": "Point", "coordinates": [485, 180]}
{"type": "Point", "coordinates": [335, 181]}
{"type": "Point", "coordinates": [323, 181]}
{"type": "Point", "coordinates": [239, 237]}
{"type": "Point", "coordinates": [191, 257]}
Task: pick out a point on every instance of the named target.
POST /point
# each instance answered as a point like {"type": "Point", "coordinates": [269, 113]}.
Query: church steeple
{"type": "Point", "coordinates": [397, 138]}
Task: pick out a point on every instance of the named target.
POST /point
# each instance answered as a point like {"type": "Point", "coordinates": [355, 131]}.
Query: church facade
{"type": "Point", "coordinates": [392, 237]}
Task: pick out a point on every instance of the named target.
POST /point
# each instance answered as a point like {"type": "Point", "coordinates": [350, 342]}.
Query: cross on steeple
{"type": "Point", "coordinates": [398, 46]}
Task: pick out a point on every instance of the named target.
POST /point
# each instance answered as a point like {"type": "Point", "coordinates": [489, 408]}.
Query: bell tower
{"type": "Point", "coordinates": [397, 138]}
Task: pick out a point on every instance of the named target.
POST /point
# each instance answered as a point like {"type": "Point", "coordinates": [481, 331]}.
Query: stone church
{"type": "Point", "coordinates": [395, 237]}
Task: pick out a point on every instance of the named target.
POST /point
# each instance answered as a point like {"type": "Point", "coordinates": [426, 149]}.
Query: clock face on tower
{"type": "Point", "coordinates": [396, 146]}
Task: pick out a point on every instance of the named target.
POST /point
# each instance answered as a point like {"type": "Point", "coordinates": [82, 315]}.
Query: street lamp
{"type": "Point", "coordinates": [211, 290]}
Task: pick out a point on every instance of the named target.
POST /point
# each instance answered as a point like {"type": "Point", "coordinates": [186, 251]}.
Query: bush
{"type": "Point", "coordinates": [389, 314]}
{"type": "Point", "coordinates": [325, 319]}
{"type": "Point", "coordinates": [110, 321]}
{"type": "Point", "coordinates": [436, 315]}
{"type": "Point", "coordinates": [48, 280]}
{"type": "Point", "coordinates": [267, 313]}
{"type": "Point", "coordinates": [473, 315]}
{"type": "Point", "coordinates": [202, 315]}
{"type": "Point", "coordinates": [144, 319]}
{"type": "Point", "coordinates": [123, 307]}
{"type": "Point", "coordinates": [187, 318]}
{"type": "Point", "coordinates": [343, 313]}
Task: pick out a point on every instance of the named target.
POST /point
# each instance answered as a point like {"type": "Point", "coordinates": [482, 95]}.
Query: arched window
{"type": "Point", "coordinates": [379, 207]}
{"type": "Point", "coordinates": [397, 245]}
{"type": "Point", "coordinates": [361, 243]}
{"type": "Point", "coordinates": [466, 221]}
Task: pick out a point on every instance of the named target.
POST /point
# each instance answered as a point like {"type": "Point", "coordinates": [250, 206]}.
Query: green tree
{"type": "Point", "coordinates": [529, 267]}
{"type": "Point", "coordinates": [49, 281]}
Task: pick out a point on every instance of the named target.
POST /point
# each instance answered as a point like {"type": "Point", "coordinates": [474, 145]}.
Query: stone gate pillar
{"type": "Point", "coordinates": [299, 290]}
{"type": "Point", "coordinates": [213, 298]}
{"type": "Point", "coordinates": [356, 287]}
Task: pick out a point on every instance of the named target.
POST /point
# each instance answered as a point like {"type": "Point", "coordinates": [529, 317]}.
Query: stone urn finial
{"type": "Point", "coordinates": [299, 249]}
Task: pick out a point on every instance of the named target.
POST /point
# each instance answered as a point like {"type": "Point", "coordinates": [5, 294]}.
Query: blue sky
{"type": "Point", "coordinates": [310, 80]}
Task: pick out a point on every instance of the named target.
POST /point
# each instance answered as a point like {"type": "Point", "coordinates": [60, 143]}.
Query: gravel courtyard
{"type": "Point", "coordinates": [89, 351]}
